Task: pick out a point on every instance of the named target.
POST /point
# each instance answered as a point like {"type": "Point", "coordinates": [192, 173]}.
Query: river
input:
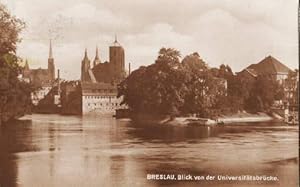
{"type": "Point", "coordinates": [53, 150]}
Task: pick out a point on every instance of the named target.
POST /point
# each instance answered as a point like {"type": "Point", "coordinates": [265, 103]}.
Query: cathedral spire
{"type": "Point", "coordinates": [50, 50]}
{"type": "Point", "coordinates": [26, 65]}
{"type": "Point", "coordinates": [116, 43]}
{"type": "Point", "coordinates": [85, 53]}
{"type": "Point", "coordinates": [97, 59]}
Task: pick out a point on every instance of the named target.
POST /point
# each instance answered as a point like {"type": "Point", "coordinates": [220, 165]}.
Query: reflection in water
{"type": "Point", "coordinates": [52, 150]}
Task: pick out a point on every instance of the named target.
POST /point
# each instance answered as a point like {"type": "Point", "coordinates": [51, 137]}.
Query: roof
{"type": "Point", "coordinates": [251, 72]}
{"type": "Point", "coordinates": [268, 65]}
{"type": "Point", "coordinates": [92, 76]}
{"type": "Point", "coordinates": [39, 71]}
{"type": "Point", "coordinates": [100, 85]}
{"type": "Point", "coordinates": [98, 89]}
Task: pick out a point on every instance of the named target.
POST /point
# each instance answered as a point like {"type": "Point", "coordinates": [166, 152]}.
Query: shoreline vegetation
{"type": "Point", "coordinates": [175, 90]}
{"type": "Point", "coordinates": [15, 97]}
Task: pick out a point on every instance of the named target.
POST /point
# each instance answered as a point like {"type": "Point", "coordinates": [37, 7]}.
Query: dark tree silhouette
{"type": "Point", "coordinates": [14, 94]}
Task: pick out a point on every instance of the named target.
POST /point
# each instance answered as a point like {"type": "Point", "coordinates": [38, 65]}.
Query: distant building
{"type": "Point", "coordinates": [99, 83]}
{"type": "Point", "coordinates": [41, 78]}
{"type": "Point", "coordinates": [40, 93]}
{"type": "Point", "coordinates": [108, 72]}
{"type": "Point", "coordinates": [269, 66]}
{"type": "Point", "coordinates": [100, 98]}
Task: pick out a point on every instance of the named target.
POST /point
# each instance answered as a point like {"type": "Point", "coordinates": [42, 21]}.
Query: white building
{"type": "Point", "coordinates": [100, 98]}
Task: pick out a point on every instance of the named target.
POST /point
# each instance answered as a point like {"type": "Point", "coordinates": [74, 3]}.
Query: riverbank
{"type": "Point", "coordinates": [242, 117]}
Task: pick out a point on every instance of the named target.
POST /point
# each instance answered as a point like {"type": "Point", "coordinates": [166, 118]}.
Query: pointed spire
{"type": "Point", "coordinates": [116, 43]}
{"type": "Point", "coordinates": [85, 53]}
{"type": "Point", "coordinates": [50, 50]}
{"type": "Point", "coordinates": [26, 65]}
{"type": "Point", "coordinates": [97, 59]}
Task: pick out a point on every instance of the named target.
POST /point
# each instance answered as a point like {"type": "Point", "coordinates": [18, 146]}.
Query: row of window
{"type": "Point", "coordinates": [104, 104]}
{"type": "Point", "coordinates": [99, 97]}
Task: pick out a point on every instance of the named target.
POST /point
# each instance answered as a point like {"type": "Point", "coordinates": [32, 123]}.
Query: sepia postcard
{"type": "Point", "coordinates": [179, 93]}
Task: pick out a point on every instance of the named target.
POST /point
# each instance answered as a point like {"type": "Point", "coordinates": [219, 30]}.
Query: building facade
{"type": "Point", "coordinates": [100, 98]}
{"type": "Point", "coordinates": [40, 93]}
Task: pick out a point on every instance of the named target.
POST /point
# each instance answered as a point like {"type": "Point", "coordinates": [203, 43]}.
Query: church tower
{"type": "Point", "coordinates": [26, 70]}
{"type": "Point", "coordinates": [97, 59]}
{"type": "Point", "coordinates": [85, 67]}
{"type": "Point", "coordinates": [51, 67]}
{"type": "Point", "coordinates": [117, 59]}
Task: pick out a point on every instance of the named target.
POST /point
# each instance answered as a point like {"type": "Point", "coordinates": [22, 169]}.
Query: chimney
{"type": "Point", "coordinates": [129, 70]}
{"type": "Point", "coordinates": [58, 83]}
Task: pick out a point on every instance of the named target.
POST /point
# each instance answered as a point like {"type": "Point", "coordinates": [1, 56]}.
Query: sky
{"type": "Point", "coordinates": [233, 32]}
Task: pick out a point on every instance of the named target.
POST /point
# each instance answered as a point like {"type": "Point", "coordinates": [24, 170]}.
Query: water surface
{"type": "Point", "coordinates": [53, 150]}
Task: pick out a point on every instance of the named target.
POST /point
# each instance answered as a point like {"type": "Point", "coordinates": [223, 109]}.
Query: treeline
{"type": "Point", "coordinates": [14, 94]}
{"type": "Point", "coordinates": [174, 87]}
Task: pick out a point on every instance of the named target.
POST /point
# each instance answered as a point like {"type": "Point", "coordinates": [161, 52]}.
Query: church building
{"type": "Point", "coordinates": [40, 77]}
{"type": "Point", "coordinates": [107, 72]}
{"type": "Point", "coordinates": [99, 82]}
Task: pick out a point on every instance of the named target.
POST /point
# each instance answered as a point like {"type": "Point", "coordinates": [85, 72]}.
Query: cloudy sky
{"type": "Point", "coordinates": [233, 32]}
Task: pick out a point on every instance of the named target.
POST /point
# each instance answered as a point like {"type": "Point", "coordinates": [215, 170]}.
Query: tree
{"type": "Point", "coordinates": [168, 56]}
{"type": "Point", "coordinates": [233, 100]}
{"type": "Point", "coordinates": [202, 86]}
{"type": "Point", "coordinates": [263, 94]}
{"type": "Point", "coordinates": [10, 27]}
{"type": "Point", "coordinates": [14, 94]}
{"type": "Point", "coordinates": [158, 88]}
{"type": "Point", "coordinates": [169, 87]}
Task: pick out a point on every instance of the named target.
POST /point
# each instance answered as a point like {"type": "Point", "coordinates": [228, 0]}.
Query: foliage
{"type": "Point", "coordinates": [14, 94]}
{"type": "Point", "coordinates": [158, 88]}
{"type": "Point", "coordinates": [237, 90]}
{"type": "Point", "coordinates": [169, 87]}
{"type": "Point", "coordinates": [263, 94]}
{"type": "Point", "coordinates": [10, 27]}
